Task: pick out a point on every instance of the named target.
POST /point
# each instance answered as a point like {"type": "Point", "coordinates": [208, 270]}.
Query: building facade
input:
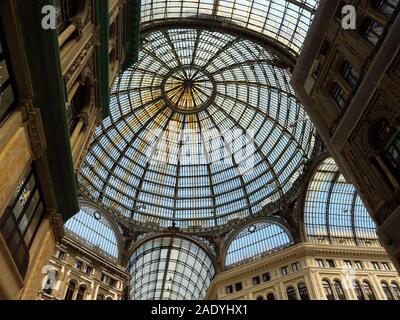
{"type": "Point", "coordinates": [349, 82]}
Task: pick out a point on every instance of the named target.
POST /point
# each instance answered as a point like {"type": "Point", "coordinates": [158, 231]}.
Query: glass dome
{"type": "Point", "coordinates": [204, 129]}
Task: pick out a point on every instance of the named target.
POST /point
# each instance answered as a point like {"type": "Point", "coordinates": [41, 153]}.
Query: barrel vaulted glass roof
{"type": "Point", "coordinates": [256, 240]}
{"type": "Point", "coordinates": [204, 129]}
{"type": "Point", "coordinates": [333, 211]}
{"type": "Point", "coordinates": [92, 228]}
{"type": "Point", "coordinates": [285, 21]}
{"type": "Point", "coordinates": [170, 268]}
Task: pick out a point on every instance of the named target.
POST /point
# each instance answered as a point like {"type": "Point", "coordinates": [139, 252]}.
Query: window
{"type": "Point", "coordinates": [391, 154]}
{"type": "Point", "coordinates": [359, 291]}
{"type": "Point", "coordinates": [256, 280]}
{"type": "Point", "coordinates": [61, 255]}
{"type": "Point", "coordinates": [81, 293]}
{"type": "Point", "coordinates": [339, 290]}
{"type": "Point", "coordinates": [229, 289]}
{"type": "Point", "coordinates": [328, 290]}
{"type": "Point", "coordinates": [296, 266]}
{"type": "Point", "coordinates": [260, 298]}
{"type": "Point", "coordinates": [376, 265]}
{"type": "Point", "coordinates": [303, 292]}
{"type": "Point", "coordinates": [359, 265]}
{"type": "Point", "coordinates": [386, 7]}
{"type": "Point", "coordinates": [21, 219]}
{"type": "Point", "coordinates": [113, 282]}
{"type": "Point", "coordinates": [396, 290]}
{"type": "Point", "coordinates": [386, 266]}
{"type": "Point", "coordinates": [331, 263]}
{"type": "Point", "coordinates": [339, 95]}
{"type": "Point", "coordinates": [369, 291]}
{"type": "Point", "coordinates": [291, 293]}
{"type": "Point", "coordinates": [100, 297]}
{"type": "Point", "coordinates": [78, 264]}
{"type": "Point", "coordinates": [7, 89]}
{"type": "Point", "coordinates": [88, 269]}
{"type": "Point", "coordinates": [387, 291]}
{"type": "Point", "coordinates": [348, 264]}
{"type": "Point", "coordinates": [350, 74]}
{"type": "Point", "coordinates": [70, 291]}
{"type": "Point", "coordinates": [320, 263]}
{"type": "Point", "coordinates": [284, 270]}
{"type": "Point", "coordinates": [270, 296]}
{"type": "Point", "coordinates": [371, 31]}
{"type": "Point", "coordinates": [266, 277]}
{"type": "Point", "coordinates": [238, 286]}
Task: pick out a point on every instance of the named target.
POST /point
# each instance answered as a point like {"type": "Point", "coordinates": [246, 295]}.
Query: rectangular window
{"type": "Point", "coordinates": [296, 266]}
{"type": "Point", "coordinates": [21, 219]}
{"type": "Point", "coordinates": [331, 263]}
{"type": "Point", "coordinates": [350, 74]}
{"type": "Point", "coordinates": [284, 270]}
{"type": "Point", "coordinates": [386, 266]}
{"type": "Point", "coordinates": [359, 265]}
{"type": "Point", "coordinates": [78, 264]}
{"type": "Point", "coordinates": [229, 289]}
{"type": "Point", "coordinates": [376, 265]}
{"type": "Point", "coordinates": [7, 88]}
{"type": "Point", "coordinates": [61, 255]}
{"type": "Point", "coordinates": [386, 7]}
{"type": "Point", "coordinates": [266, 277]}
{"type": "Point", "coordinates": [256, 280]}
{"type": "Point", "coordinates": [348, 264]}
{"type": "Point", "coordinates": [391, 155]}
{"type": "Point", "coordinates": [339, 95]}
{"type": "Point", "coordinates": [88, 269]}
{"type": "Point", "coordinates": [320, 263]}
{"type": "Point", "coordinates": [113, 282]}
{"type": "Point", "coordinates": [238, 286]}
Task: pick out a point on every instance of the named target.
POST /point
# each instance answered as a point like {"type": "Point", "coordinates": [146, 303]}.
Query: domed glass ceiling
{"type": "Point", "coordinates": [204, 129]}
{"type": "Point", "coordinates": [284, 21]}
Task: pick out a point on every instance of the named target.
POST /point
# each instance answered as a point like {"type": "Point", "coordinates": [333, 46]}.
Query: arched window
{"type": "Point", "coordinates": [387, 291]}
{"type": "Point", "coordinates": [303, 292]}
{"type": "Point", "coordinates": [328, 290]}
{"type": "Point", "coordinates": [270, 296]}
{"type": "Point", "coordinates": [291, 293]}
{"type": "Point", "coordinates": [396, 290]}
{"type": "Point", "coordinates": [369, 291]}
{"type": "Point", "coordinates": [256, 240]}
{"type": "Point", "coordinates": [100, 296]}
{"type": "Point", "coordinates": [359, 291]}
{"type": "Point", "coordinates": [70, 291]}
{"type": "Point", "coordinates": [109, 298]}
{"type": "Point", "coordinates": [260, 298]}
{"type": "Point", "coordinates": [81, 293]}
{"type": "Point", "coordinates": [339, 290]}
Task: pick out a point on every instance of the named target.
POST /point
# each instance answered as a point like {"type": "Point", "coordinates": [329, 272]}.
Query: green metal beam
{"type": "Point", "coordinates": [103, 62]}
{"type": "Point", "coordinates": [132, 27]}
{"type": "Point", "coordinates": [49, 95]}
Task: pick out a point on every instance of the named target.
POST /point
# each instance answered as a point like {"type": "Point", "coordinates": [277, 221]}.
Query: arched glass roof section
{"type": "Point", "coordinates": [93, 229]}
{"type": "Point", "coordinates": [257, 240]}
{"type": "Point", "coordinates": [170, 268]}
{"type": "Point", "coordinates": [284, 21]}
{"type": "Point", "coordinates": [333, 212]}
{"type": "Point", "coordinates": [204, 129]}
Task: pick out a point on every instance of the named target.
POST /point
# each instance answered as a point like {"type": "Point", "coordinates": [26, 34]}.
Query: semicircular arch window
{"type": "Point", "coordinates": [257, 240]}
{"type": "Point", "coordinates": [169, 268]}
{"type": "Point", "coordinates": [204, 129]}
{"type": "Point", "coordinates": [93, 229]}
{"type": "Point", "coordinates": [333, 211]}
{"type": "Point", "coordinates": [285, 21]}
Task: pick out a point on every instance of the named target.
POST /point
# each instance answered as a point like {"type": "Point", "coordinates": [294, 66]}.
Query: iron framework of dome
{"type": "Point", "coordinates": [204, 129]}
